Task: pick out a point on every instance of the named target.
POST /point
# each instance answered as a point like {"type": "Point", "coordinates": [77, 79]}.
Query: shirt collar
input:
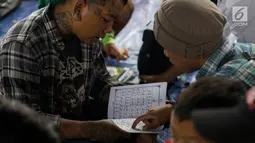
{"type": "Point", "coordinates": [213, 62]}
{"type": "Point", "coordinates": [52, 29]}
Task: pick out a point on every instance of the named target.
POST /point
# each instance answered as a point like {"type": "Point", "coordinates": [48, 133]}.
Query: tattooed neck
{"type": "Point", "coordinates": [64, 20]}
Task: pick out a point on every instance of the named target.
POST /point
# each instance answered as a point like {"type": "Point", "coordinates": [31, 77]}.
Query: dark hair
{"type": "Point", "coordinates": [43, 3]}
{"type": "Point", "coordinates": [110, 1]}
{"type": "Point", "coordinates": [18, 123]}
{"type": "Point", "coordinates": [208, 92]}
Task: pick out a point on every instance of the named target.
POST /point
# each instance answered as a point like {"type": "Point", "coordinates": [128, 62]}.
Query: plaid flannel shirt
{"type": "Point", "coordinates": [30, 54]}
{"type": "Point", "coordinates": [228, 61]}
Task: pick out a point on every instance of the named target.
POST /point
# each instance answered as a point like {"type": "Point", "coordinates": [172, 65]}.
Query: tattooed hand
{"type": "Point", "coordinates": [103, 131]}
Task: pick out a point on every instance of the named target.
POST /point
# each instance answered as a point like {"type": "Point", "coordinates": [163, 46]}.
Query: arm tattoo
{"type": "Point", "coordinates": [100, 131]}
{"type": "Point", "coordinates": [64, 21]}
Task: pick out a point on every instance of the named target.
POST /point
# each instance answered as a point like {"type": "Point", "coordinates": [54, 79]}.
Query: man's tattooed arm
{"type": "Point", "coordinates": [103, 130]}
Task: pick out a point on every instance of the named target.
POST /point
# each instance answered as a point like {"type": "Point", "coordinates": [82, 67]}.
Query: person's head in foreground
{"type": "Point", "coordinates": [89, 20]}
{"type": "Point", "coordinates": [20, 124]}
{"type": "Point", "coordinates": [189, 31]}
{"type": "Point", "coordinates": [233, 124]}
{"type": "Point", "coordinates": [207, 92]}
{"type": "Point", "coordinates": [124, 17]}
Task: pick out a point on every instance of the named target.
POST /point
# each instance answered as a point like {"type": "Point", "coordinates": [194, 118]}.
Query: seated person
{"type": "Point", "coordinates": [150, 55]}
{"type": "Point", "coordinates": [108, 41]}
{"type": "Point", "coordinates": [196, 42]}
{"type": "Point", "coordinates": [235, 123]}
{"type": "Point", "coordinates": [53, 62]}
{"type": "Point", "coordinates": [207, 92]}
{"type": "Point", "coordinates": [20, 124]}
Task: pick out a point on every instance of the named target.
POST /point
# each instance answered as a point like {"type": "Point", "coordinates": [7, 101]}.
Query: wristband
{"type": "Point", "coordinates": [108, 39]}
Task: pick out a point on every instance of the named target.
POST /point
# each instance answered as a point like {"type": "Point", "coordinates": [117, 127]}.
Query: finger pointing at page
{"type": "Point", "coordinates": [155, 117]}
{"type": "Point", "coordinates": [149, 121]}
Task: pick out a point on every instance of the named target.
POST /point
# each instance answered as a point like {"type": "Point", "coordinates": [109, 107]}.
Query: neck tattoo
{"type": "Point", "coordinates": [64, 21]}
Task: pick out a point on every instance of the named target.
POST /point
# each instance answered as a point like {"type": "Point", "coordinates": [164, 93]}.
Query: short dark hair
{"type": "Point", "coordinates": [208, 92]}
{"type": "Point", "coordinates": [106, 1]}
{"type": "Point", "coordinates": [19, 123]}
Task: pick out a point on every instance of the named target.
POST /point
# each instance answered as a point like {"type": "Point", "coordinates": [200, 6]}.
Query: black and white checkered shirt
{"type": "Point", "coordinates": [30, 65]}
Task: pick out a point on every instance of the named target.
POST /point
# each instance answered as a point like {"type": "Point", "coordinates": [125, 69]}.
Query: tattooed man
{"type": "Point", "coordinates": [52, 61]}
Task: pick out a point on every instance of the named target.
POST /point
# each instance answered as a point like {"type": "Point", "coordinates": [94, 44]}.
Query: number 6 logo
{"type": "Point", "coordinates": [239, 14]}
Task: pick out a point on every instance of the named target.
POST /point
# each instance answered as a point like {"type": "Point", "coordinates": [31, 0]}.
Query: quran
{"type": "Point", "coordinates": [126, 103]}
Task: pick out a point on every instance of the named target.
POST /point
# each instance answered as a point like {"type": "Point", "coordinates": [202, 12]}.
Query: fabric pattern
{"type": "Point", "coordinates": [228, 61]}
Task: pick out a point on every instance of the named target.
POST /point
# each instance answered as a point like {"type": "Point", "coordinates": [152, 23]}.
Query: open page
{"type": "Point", "coordinates": [126, 125]}
{"type": "Point", "coordinates": [134, 100]}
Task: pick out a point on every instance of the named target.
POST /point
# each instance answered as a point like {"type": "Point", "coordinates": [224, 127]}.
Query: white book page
{"type": "Point", "coordinates": [126, 125]}
{"type": "Point", "coordinates": [134, 100]}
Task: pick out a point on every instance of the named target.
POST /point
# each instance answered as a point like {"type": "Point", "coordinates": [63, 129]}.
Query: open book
{"type": "Point", "coordinates": [126, 103]}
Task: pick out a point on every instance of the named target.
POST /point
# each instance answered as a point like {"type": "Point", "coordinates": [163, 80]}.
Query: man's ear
{"type": "Point", "coordinates": [78, 8]}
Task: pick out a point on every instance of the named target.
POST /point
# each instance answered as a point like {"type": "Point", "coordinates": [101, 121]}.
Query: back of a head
{"type": "Point", "coordinates": [194, 26]}
{"type": "Point", "coordinates": [208, 92]}
{"type": "Point", "coordinates": [18, 123]}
